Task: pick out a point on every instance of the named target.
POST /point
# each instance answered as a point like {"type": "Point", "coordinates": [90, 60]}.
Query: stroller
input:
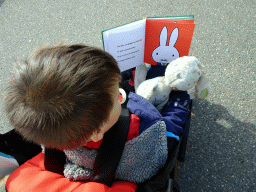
{"type": "Point", "coordinates": [164, 181]}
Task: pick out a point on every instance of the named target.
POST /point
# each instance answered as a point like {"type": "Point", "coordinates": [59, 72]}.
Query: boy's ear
{"type": "Point", "coordinates": [97, 136]}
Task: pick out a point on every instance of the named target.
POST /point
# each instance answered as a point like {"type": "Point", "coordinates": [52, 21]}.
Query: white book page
{"type": "Point", "coordinates": [126, 44]}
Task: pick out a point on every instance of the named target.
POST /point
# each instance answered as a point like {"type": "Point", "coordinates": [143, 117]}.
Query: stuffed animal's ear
{"type": "Point", "coordinates": [203, 87]}
{"type": "Point", "coordinates": [172, 72]}
{"type": "Point", "coordinates": [140, 75]}
{"type": "Point", "coordinates": [147, 89]}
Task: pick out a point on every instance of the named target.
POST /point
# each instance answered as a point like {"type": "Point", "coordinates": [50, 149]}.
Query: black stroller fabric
{"type": "Point", "coordinates": [11, 143]}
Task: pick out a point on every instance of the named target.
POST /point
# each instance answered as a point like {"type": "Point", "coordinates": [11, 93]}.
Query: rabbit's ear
{"type": "Point", "coordinates": [163, 36]}
{"type": "Point", "coordinates": [174, 37]}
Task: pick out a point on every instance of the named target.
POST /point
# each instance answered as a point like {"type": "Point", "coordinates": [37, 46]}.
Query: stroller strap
{"type": "Point", "coordinates": [111, 150]}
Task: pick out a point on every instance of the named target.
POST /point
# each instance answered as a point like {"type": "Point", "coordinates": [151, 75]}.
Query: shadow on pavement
{"type": "Point", "coordinates": [220, 152]}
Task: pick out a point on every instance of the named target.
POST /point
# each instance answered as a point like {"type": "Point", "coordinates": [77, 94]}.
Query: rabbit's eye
{"type": "Point", "coordinates": [156, 53]}
{"type": "Point", "coordinates": [173, 55]}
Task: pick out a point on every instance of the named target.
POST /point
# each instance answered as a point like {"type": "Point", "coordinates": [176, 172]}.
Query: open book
{"type": "Point", "coordinates": [150, 40]}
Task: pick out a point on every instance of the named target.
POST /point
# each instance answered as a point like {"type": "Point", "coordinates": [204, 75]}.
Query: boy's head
{"type": "Point", "coordinates": [64, 96]}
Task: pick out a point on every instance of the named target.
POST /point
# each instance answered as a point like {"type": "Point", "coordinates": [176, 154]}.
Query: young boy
{"type": "Point", "coordinates": [67, 97]}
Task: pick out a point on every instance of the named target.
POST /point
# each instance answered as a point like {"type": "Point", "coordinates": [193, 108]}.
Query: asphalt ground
{"type": "Point", "coordinates": [221, 146]}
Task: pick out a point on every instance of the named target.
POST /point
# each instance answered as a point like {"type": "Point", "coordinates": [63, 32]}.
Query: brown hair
{"type": "Point", "coordinates": [62, 94]}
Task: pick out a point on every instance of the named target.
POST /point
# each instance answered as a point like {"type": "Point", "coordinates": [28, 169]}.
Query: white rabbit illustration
{"type": "Point", "coordinates": [165, 54]}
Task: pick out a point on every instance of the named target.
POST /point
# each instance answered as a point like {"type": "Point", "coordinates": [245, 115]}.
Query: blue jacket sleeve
{"type": "Point", "coordinates": [143, 109]}
{"type": "Point", "coordinates": [174, 114]}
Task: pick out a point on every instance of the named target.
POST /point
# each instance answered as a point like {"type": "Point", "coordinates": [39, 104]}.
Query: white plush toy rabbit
{"type": "Point", "coordinates": [184, 73]}
{"type": "Point", "coordinates": [163, 54]}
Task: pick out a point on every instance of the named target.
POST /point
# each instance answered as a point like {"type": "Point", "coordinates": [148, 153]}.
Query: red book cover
{"type": "Point", "coordinates": [166, 40]}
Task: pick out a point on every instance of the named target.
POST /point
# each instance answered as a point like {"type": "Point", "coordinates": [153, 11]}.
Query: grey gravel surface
{"type": "Point", "coordinates": [221, 146]}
